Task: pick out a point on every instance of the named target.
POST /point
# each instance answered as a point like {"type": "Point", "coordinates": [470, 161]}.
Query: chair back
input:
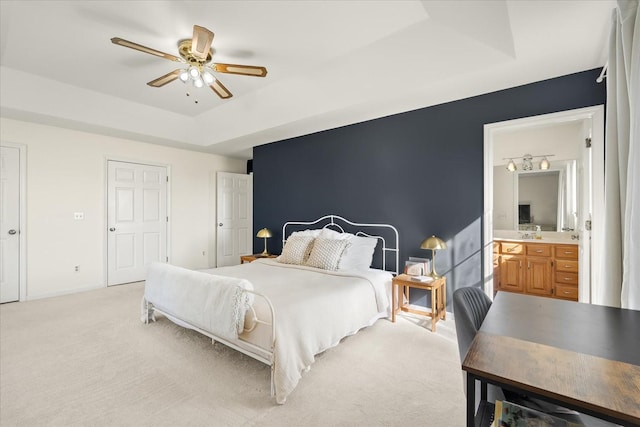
{"type": "Point", "coordinates": [470, 306]}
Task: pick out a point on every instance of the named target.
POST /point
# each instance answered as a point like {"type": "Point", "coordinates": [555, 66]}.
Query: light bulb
{"type": "Point", "coordinates": [544, 164]}
{"type": "Point", "coordinates": [184, 76]}
{"type": "Point", "coordinates": [511, 167]}
{"type": "Point", "coordinates": [197, 82]}
{"type": "Point", "coordinates": [194, 73]}
{"type": "Point", "coordinates": [207, 76]}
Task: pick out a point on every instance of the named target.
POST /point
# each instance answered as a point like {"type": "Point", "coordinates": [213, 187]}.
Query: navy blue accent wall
{"type": "Point", "coordinates": [421, 171]}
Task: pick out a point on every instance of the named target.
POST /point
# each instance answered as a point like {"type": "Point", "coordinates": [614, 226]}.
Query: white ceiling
{"type": "Point", "coordinates": [330, 63]}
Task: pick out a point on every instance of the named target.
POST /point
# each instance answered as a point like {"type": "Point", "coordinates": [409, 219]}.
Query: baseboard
{"type": "Point", "coordinates": [65, 292]}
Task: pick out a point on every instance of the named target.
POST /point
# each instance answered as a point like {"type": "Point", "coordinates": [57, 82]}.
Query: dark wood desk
{"type": "Point", "coordinates": [581, 356]}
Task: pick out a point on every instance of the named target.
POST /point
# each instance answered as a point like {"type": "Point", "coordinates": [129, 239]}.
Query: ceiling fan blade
{"type": "Point", "coordinates": [201, 42]}
{"type": "Point", "coordinates": [141, 48]}
{"type": "Point", "coordinates": [220, 90]}
{"type": "Point", "coordinates": [245, 70]}
{"type": "Point", "coordinates": [167, 78]}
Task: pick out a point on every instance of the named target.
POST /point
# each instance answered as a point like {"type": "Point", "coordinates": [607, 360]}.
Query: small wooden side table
{"type": "Point", "coordinates": [253, 257]}
{"type": "Point", "coordinates": [438, 288]}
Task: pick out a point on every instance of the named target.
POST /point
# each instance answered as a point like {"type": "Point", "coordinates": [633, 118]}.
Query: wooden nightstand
{"type": "Point", "coordinates": [438, 288]}
{"type": "Point", "coordinates": [253, 257]}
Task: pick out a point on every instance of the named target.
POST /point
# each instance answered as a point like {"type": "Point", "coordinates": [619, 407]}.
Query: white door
{"type": "Point", "coordinates": [235, 217]}
{"type": "Point", "coordinates": [136, 220]}
{"type": "Point", "coordinates": [9, 224]}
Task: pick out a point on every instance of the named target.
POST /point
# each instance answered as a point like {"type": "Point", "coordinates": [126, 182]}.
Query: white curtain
{"type": "Point", "coordinates": [619, 284]}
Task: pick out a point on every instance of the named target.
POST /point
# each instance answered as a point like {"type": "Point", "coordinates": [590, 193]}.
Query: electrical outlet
{"type": "Point", "coordinates": [77, 268]}
{"type": "Point", "coordinates": [78, 215]}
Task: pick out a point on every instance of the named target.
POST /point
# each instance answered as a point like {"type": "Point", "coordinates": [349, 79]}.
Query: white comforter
{"type": "Point", "coordinates": [314, 310]}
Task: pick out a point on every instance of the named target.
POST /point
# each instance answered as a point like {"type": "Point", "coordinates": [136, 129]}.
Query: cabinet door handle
{"type": "Point", "coordinates": [567, 278]}
{"type": "Point", "coordinates": [567, 252]}
{"type": "Point", "coordinates": [567, 266]}
{"type": "Point", "coordinates": [529, 265]}
{"type": "Point", "coordinates": [520, 263]}
{"type": "Point", "coordinates": [539, 250]}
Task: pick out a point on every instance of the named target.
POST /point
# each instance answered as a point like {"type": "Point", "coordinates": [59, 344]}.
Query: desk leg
{"type": "Point", "coordinates": [471, 400]}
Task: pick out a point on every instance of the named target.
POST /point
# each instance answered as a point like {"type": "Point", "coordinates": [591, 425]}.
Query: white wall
{"type": "Point", "coordinates": [503, 199]}
{"type": "Point", "coordinates": [66, 173]}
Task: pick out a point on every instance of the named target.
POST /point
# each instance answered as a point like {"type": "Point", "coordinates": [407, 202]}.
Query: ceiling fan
{"type": "Point", "coordinates": [195, 53]}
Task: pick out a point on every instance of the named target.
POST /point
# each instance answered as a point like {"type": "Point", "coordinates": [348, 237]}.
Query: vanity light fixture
{"type": "Point", "coordinates": [544, 164]}
{"type": "Point", "coordinates": [527, 162]}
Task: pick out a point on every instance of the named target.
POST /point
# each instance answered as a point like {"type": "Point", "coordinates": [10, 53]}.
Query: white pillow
{"type": "Point", "coordinates": [327, 233]}
{"type": "Point", "coordinates": [312, 233]}
{"type": "Point", "coordinates": [358, 255]}
{"type": "Point", "coordinates": [296, 250]}
{"type": "Point", "coordinates": [326, 253]}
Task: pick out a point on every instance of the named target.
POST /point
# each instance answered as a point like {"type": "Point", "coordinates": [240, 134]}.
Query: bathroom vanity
{"type": "Point", "coordinates": [536, 267]}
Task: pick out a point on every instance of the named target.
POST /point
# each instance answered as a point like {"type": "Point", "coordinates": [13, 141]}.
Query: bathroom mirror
{"type": "Point", "coordinates": [545, 198]}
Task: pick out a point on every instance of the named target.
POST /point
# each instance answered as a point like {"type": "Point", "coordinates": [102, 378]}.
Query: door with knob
{"type": "Point", "coordinates": [9, 224]}
{"type": "Point", "coordinates": [235, 217]}
{"type": "Point", "coordinates": [136, 220]}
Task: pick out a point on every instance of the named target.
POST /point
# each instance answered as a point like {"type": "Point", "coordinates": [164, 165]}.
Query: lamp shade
{"type": "Point", "coordinates": [264, 233]}
{"type": "Point", "coordinates": [433, 242]}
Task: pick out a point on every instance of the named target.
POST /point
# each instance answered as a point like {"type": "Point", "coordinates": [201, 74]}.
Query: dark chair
{"type": "Point", "coordinates": [470, 306]}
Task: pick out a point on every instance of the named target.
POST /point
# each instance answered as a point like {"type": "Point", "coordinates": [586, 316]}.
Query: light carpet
{"type": "Point", "coordinates": [86, 360]}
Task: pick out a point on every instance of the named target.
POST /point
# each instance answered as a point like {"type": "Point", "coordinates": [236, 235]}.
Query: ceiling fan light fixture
{"type": "Point", "coordinates": [197, 82]}
{"type": "Point", "coordinates": [193, 72]}
{"type": "Point", "coordinates": [184, 76]}
{"type": "Point", "coordinates": [207, 76]}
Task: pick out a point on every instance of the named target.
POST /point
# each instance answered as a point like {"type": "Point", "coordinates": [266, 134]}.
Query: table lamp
{"type": "Point", "coordinates": [265, 233]}
{"type": "Point", "coordinates": [433, 243]}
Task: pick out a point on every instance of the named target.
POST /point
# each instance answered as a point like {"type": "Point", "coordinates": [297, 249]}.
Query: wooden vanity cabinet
{"type": "Point", "coordinates": [566, 271]}
{"type": "Point", "coordinates": [541, 269]}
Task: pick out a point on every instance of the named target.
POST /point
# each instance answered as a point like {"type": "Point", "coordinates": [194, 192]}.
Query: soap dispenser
{"type": "Point", "coordinates": [538, 232]}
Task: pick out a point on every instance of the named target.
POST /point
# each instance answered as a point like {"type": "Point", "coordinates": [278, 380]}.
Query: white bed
{"type": "Point", "coordinates": [289, 312]}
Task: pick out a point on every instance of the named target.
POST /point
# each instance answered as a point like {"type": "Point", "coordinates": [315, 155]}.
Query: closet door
{"type": "Point", "coordinates": [9, 224]}
{"type": "Point", "coordinates": [136, 220]}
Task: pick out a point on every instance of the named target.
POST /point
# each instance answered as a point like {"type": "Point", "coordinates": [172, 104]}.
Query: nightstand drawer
{"type": "Point", "coordinates": [567, 265]}
{"type": "Point", "coordinates": [567, 278]}
{"type": "Point", "coordinates": [570, 292]}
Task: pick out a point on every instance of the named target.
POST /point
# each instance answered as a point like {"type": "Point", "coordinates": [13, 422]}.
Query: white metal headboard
{"type": "Point", "coordinates": [390, 241]}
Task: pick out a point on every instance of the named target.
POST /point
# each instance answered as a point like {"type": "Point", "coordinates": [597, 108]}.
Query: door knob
{"type": "Point", "coordinates": [112, 229]}
{"type": "Point", "coordinates": [219, 224]}
{"type": "Point", "coordinates": [12, 232]}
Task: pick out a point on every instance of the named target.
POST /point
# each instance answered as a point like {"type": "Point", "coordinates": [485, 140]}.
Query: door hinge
{"type": "Point", "coordinates": [587, 142]}
{"type": "Point", "coordinates": [167, 259]}
{"type": "Point", "coordinates": [167, 178]}
{"type": "Point", "coordinates": [167, 219]}
{"type": "Point", "coordinates": [587, 225]}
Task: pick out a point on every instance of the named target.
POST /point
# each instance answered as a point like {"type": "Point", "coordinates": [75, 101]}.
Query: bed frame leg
{"type": "Point", "coordinates": [149, 313]}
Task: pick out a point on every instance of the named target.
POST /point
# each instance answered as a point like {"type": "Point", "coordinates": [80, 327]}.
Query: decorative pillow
{"type": "Point", "coordinates": [359, 253]}
{"type": "Point", "coordinates": [296, 250]}
{"type": "Point", "coordinates": [326, 253]}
